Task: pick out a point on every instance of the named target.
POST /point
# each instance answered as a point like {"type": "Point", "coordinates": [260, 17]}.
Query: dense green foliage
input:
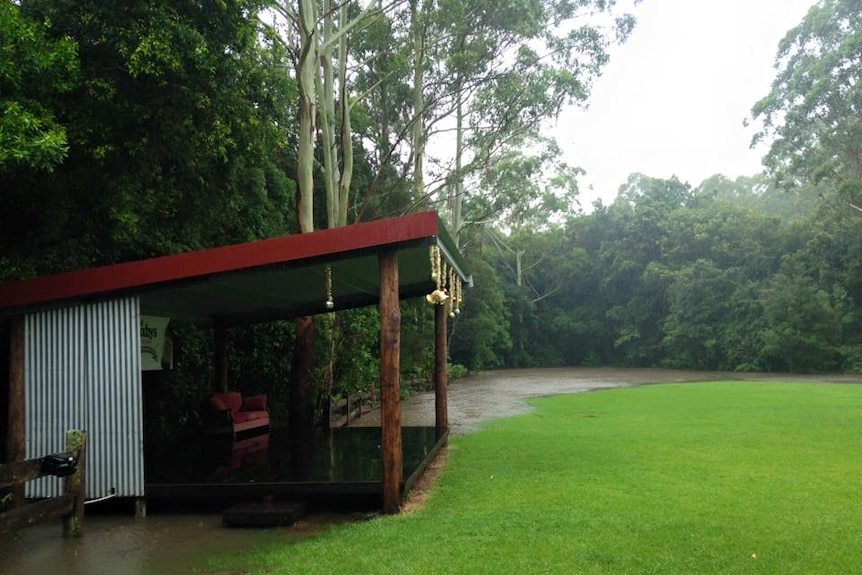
{"type": "Point", "coordinates": [173, 142]}
{"type": "Point", "coordinates": [672, 276]}
{"type": "Point", "coordinates": [692, 478]}
{"type": "Point", "coordinates": [757, 273]}
{"type": "Point", "coordinates": [151, 128]}
{"type": "Point", "coordinates": [812, 114]}
{"type": "Point", "coordinates": [33, 70]}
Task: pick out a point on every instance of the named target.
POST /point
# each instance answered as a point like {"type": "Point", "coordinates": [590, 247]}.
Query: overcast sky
{"type": "Point", "coordinates": [673, 98]}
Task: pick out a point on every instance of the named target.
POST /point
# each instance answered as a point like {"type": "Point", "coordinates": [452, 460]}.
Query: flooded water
{"type": "Point", "coordinates": [343, 456]}
{"type": "Point", "coordinates": [490, 395]}
{"type": "Point", "coordinates": [181, 544]}
{"type": "Point", "coordinates": [123, 545]}
{"type": "Point", "coordinates": [161, 544]}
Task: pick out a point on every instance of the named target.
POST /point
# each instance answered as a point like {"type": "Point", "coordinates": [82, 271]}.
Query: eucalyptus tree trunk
{"type": "Point", "coordinates": [316, 82]}
{"type": "Point", "coordinates": [306, 74]}
{"type": "Point", "coordinates": [346, 127]}
{"type": "Point", "coordinates": [301, 401]}
{"type": "Point", "coordinates": [325, 82]}
{"type": "Point", "coordinates": [456, 178]}
{"type": "Point", "coordinates": [337, 168]}
{"type": "Point", "coordinates": [457, 201]}
{"type": "Point", "coordinates": [418, 101]}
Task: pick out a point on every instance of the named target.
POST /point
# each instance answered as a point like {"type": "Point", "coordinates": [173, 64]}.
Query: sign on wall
{"type": "Point", "coordinates": [156, 343]}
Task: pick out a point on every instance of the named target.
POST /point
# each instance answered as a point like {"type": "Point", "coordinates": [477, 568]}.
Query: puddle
{"type": "Point", "coordinates": [123, 545]}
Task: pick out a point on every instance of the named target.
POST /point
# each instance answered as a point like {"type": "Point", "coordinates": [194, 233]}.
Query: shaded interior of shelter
{"type": "Point", "coordinates": [337, 468]}
{"type": "Point", "coordinates": [266, 280]}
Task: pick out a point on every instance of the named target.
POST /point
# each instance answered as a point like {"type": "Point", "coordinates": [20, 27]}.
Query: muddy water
{"type": "Point", "coordinates": [168, 544]}
{"type": "Point", "coordinates": [476, 399]}
{"type": "Point", "coordinates": [122, 545]}
{"type": "Point", "coordinates": [158, 544]}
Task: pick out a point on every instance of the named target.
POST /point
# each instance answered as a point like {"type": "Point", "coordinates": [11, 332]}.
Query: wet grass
{"type": "Point", "coordinates": [695, 478]}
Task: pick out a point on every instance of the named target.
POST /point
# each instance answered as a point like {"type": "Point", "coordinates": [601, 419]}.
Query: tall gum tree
{"type": "Point", "coordinates": [812, 116]}
{"type": "Point", "coordinates": [471, 61]}
{"type": "Point", "coordinates": [514, 65]}
{"type": "Point", "coordinates": [320, 35]}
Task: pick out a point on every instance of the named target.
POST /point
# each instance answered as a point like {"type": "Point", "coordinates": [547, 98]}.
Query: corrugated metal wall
{"type": "Point", "coordinates": [83, 372]}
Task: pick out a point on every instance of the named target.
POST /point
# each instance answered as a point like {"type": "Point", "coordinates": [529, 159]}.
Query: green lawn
{"type": "Point", "coordinates": [692, 478]}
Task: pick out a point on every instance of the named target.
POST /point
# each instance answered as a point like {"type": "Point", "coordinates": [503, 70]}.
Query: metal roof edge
{"type": "Point", "coordinates": [450, 250]}
{"type": "Point", "coordinates": [144, 274]}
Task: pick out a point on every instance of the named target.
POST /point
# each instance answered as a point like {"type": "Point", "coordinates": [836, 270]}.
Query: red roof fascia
{"type": "Point", "coordinates": [211, 261]}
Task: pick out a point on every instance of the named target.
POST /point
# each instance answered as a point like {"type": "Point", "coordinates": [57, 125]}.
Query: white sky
{"type": "Point", "coordinates": [673, 98]}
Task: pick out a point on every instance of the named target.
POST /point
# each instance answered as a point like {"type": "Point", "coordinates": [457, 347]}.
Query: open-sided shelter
{"type": "Point", "coordinates": [75, 342]}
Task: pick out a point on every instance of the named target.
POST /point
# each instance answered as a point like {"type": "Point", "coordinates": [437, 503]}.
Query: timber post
{"type": "Point", "coordinates": [69, 506]}
{"type": "Point", "coordinates": [16, 446]}
{"type": "Point", "coordinates": [75, 484]}
{"type": "Point", "coordinates": [441, 375]}
{"type": "Point", "coordinates": [390, 382]}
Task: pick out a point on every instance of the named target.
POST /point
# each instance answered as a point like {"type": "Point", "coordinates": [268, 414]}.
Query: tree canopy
{"type": "Point", "coordinates": [34, 69]}
{"type": "Point", "coordinates": [152, 128]}
{"type": "Point", "coordinates": [813, 114]}
{"type": "Point", "coordinates": [173, 124]}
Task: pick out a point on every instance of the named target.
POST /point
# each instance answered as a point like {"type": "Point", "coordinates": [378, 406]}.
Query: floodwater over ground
{"type": "Point", "coordinates": [171, 543]}
{"type": "Point", "coordinates": [494, 394]}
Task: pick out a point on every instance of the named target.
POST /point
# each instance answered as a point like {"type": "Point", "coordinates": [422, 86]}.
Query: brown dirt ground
{"type": "Point", "coordinates": [423, 487]}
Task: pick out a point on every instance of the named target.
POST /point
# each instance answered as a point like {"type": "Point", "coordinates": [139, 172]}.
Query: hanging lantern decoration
{"type": "Point", "coordinates": [437, 296]}
{"type": "Point", "coordinates": [451, 281]}
{"type": "Point", "coordinates": [455, 293]}
{"type": "Point", "coordinates": [434, 256]}
{"type": "Point", "coordinates": [330, 304]}
{"type": "Point", "coordinates": [438, 275]}
{"type": "Point", "coordinates": [448, 288]}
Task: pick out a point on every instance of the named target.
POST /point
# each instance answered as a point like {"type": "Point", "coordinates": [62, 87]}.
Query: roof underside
{"type": "Point", "coordinates": [258, 281]}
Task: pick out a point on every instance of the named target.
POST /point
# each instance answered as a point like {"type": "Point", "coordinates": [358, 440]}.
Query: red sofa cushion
{"type": "Point", "coordinates": [254, 403]}
{"type": "Point", "coordinates": [231, 400]}
{"type": "Point", "coordinates": [242, 416]}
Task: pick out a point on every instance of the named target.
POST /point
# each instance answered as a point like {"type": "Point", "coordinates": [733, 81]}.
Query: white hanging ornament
{"type": "Point", "coordinates": [434, 256]}
{"type": "Point", "coordinates": [439, 295]}
{"type": "Point", "coordinates": [330, 304]}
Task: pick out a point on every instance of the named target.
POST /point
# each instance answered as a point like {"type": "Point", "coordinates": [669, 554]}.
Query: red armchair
{"type": "Point", "coordinates": [229, 412]}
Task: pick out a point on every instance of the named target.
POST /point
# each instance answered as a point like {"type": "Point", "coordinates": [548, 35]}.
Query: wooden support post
{"type": "Point", "coordinates": [441, 372]}
{"type": "Point", "coordinates": [75, 484]}
{"type": "Point", "coordinates": [16, 446]}
{"type": "Point", "coordinates": [140, 508]}
{"type": "Point", "coordinates": [221, 362]}
{"type": "Point", "coordinates": [390, 382]}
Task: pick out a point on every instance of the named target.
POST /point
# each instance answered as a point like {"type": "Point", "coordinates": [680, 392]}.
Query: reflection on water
{"type": "Point", "coordinates": [170, 543]}
{"type": "Point", "coordinates": [346, 455]}
{"type": "Point", "coordinates": [123, 545]}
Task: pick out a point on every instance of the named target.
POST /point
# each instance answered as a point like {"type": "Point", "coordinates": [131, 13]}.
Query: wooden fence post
{"type": "Point", "coordinates": [15, 439]}
{"type": "Point", "coordinates": [75, 484]}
